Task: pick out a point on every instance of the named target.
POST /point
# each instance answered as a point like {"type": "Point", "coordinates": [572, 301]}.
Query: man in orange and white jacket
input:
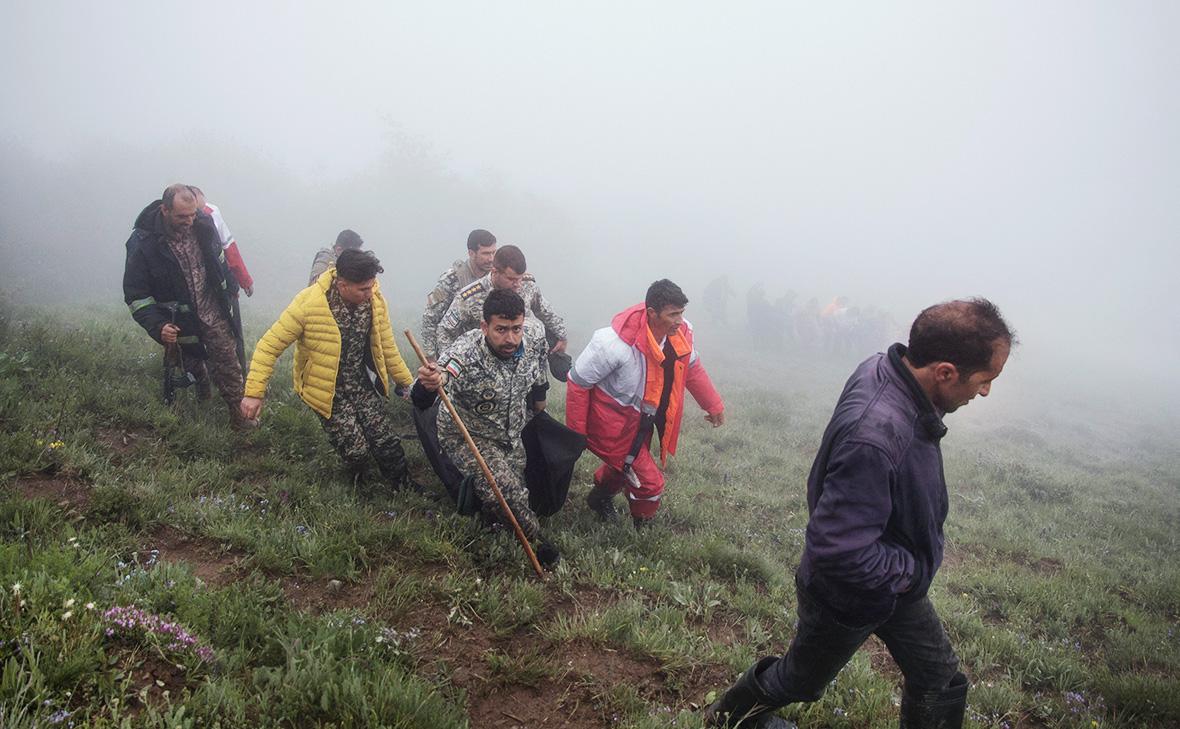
{"type": "Point", "coordinates": [628, 383]}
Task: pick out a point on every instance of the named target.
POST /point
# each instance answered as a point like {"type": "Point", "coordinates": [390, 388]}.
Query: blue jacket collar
{"type": "Point", "coordinates": [928, 415]}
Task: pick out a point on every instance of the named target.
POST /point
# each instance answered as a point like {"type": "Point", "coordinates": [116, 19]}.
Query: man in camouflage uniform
{"type": "Point", "coordinates": [179, 289]}
{"type": "Point", "coordinates": [325, 258]}
{"type": "Point", "coordinates": [491, 378]}
{"type": "Point", "coordinates": [353, 408]}
{"type": "Point", "coordinates": [545, 328]}
{"type": "Point", "coordinates": [481, 247]}
{"type": "Point", "coordinates": [360, 423]}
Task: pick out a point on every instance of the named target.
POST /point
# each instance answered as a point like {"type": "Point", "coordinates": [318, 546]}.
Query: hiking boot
{"type": "Point", "coordinates": [396, 472]}
{"type": "Point", "coordinates": [401, 480]}
{"type": "Point", "coordinates": [602, 503]}
{"type": "Point", "coordinates": [547, 554]}
{"type": "Point", "coordinates": [408, 484]}
{"type": "Point", "coordinates": [641, 522]}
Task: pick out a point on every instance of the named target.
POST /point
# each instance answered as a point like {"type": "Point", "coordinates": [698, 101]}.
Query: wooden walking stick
{"type": "Point", "coordinates": [487, 472]}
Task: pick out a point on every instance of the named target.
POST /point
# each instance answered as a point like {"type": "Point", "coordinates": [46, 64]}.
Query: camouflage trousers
{"type": "Point", "coordinates": [360, 427]}
{"type": "Point", "coordinates": [507, 466]}
{"type": "Point", "coordinates": [223, 367]}
{"type": "Point", "coordinates": [240, 342]}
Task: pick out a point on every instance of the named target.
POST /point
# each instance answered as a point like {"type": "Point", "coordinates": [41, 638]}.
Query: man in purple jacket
{"type": "Point", "coordinates": [878, 499]}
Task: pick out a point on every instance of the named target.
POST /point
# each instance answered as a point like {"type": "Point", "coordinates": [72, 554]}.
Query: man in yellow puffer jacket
{"type": "Point", "coordinates": [345, 362]}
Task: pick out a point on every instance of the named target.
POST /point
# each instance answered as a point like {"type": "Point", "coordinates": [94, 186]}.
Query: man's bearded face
{"type": "Point", "coordinates": [503, 335]}
{"type": "Point", "coordinates": [182, 213]}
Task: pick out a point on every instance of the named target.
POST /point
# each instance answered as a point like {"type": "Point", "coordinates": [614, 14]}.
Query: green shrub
{"type": "Point", "coordinates": [116, 504]}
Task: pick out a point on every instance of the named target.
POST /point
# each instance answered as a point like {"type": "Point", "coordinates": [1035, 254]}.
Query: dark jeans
{"type": "Point", "coordinates": [823, 644]}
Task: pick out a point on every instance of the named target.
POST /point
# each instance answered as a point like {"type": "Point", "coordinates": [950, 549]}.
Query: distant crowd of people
{"type": "Point", "coordinates": [877, 495]}
{"type": "Point", "coordinates": [839, 327]}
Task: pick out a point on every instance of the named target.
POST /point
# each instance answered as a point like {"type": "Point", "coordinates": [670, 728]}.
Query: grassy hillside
{"type": "Point", "coordinates": [157, 570]}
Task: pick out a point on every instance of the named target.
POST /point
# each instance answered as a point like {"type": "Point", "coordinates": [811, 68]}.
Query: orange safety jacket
{"type": "Point", "coordinates": [620, 376]}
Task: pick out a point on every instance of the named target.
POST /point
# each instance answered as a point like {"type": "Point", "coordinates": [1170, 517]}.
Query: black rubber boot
{"type": "Point", "coordinates": [935, 709]}
{"type": "Point", "coordinates": [602, 503]}
{"type": "Point", "coordinates": [547, 554]}
{"type": "Point", "coordinates": [746, 704]}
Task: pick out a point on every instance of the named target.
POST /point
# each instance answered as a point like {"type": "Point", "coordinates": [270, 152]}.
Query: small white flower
{"type": "Point", "coordinates": [89, 606]}
{"type": "Point", "coordinates": [69, 604]}
{"type": "Point", "coordinates": [16, 588]}
{"type": "Point", "coordinates": [380, 639]}
{"type": "Point", "coordinates": [67, 615]}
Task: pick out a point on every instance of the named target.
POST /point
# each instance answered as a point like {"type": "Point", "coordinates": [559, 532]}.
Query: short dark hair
{"type": "Point", "coordinates": [509, 257]}
{"type": "Point", "coordinates": [664, 293]}
{"type": "Point", "coordinates": [349, 240]}
{"type": "Point", "coordinates": [479, 238]}
{"type": "Point", "coordinates": [357, 266]}
{"type": "Point", "coordinates": [504, 303]}
{"type": "Point", "coordinates": [963, 332]}
{"type": "Point", "coordinates": [184, 192]}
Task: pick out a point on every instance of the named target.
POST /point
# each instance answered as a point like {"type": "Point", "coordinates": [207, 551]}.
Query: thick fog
{"type": "Point", "coordinates": [898, 154]}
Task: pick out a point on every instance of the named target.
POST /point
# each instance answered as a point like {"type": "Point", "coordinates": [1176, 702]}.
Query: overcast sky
{"type": "Point", "coordinates": [900, 153]}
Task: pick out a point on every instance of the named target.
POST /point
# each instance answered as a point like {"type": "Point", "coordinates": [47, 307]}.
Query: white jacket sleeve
{"type": "Point", "coordinates": [598, 360]}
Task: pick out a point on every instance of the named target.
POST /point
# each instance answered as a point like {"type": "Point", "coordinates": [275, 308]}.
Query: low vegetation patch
{"type": "Point", "coordinates": [157, 570]}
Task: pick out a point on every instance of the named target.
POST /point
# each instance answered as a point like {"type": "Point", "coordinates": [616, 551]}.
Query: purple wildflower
{"type": "Point", "coordinates": [172, 636]}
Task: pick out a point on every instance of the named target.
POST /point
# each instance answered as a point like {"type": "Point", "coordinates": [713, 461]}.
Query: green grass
{"type": "Point", "coordinates": [1061, 588]}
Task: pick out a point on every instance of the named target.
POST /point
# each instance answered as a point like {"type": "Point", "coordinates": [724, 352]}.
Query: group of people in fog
{"type": "Point", "coordinates": [784, 324]}
{"type": "Point", "coordinates": [877, 495]}
{"type": "Point", "coordinates": [490, 335]}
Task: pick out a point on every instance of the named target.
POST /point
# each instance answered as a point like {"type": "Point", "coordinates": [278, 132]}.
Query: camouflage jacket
{"type": "Point", "coordinates": [324, 259]}
{"type": "Point", "coordinates": [466, 312]}
{"type": "Point", "coordinates": [490, 393]}
{"type": "Point", "coordinates": [459, 275]}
